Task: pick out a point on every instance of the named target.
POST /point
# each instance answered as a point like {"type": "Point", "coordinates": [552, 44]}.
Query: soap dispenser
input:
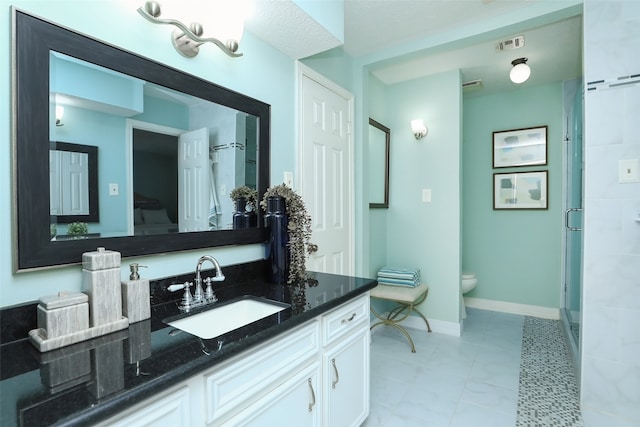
{"type": "Point", "coordinates": [136, 301]}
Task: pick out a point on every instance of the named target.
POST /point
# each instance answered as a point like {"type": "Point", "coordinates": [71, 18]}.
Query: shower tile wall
{"type": "Point", "coordinates": [610, 366]}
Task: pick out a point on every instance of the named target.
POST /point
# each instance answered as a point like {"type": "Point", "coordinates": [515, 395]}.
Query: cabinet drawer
{"type": "Point", "coordinates": [171, 410]}
{"type": "Point", "coordinates": [250, 375]}
{"type": "Point", "coordinates": [345, 319]}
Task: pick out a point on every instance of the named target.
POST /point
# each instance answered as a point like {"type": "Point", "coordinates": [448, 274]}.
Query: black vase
{"type": "Point", "coordinates": [277, 247]}
{"type": "Point", "coordinates": [241, 218]}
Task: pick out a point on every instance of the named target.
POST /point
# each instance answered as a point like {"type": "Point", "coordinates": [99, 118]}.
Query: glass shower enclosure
{"type": "Point", "coordinates": [573, 188]}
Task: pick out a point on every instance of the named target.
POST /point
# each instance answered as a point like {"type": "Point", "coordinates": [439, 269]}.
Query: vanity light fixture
{"type": "Point", "coordinates": [419, 129]}
{"type": "Point", "coordinates": [520, 71]}
{"type": "Point", "coordinates": [187, 39]}
{"type": "Point", "coordinates": [59, 115]}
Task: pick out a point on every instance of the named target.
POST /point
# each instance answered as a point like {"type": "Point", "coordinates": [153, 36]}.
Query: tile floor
{"type": "Point", "coordinates": [468, 381]}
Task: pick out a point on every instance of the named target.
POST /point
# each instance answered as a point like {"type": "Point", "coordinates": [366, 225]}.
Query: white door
{"type": "Point", "coordinates": [68, 183]}
{"type": "Point", "coordinates": [75, 183]}
{"type": "Point", "coordinates": [326, 171]}
{"type": "Point", "coordinates": [193, 180]}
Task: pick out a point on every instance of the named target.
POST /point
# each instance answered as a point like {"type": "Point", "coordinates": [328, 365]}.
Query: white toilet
{"type": "Point", "coordinates": [468, 282]}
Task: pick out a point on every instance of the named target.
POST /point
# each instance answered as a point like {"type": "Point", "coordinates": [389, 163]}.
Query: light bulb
{"type": "Point", "coordinates": [520, 71]}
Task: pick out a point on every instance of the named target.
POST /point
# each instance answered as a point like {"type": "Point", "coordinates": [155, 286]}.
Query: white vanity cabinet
{"type": "Point", "coordinates": [345, 361]}
{"type": "Point", "coordinates": [262, 376]}
{"type": "Point", "coordinates": [177, 406]}
{"type": "Point", "coordinates": [311, 376]}
{"type": "Point", "coordinates": [295, 402]}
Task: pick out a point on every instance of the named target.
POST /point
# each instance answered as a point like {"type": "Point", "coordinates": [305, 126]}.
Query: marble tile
{"type": "Point", "coordinates": [386, 392]}
{"type": "Point", "coordinates": [499, 373]}
{"type": "Point", "coordinates": [613, 386]}
{"type": "Point", "coordinates": [469, 414]}
{"type": "Point", "coordinates": [630, 211]}
{"type": "Point", "coordinates": [470, 381]}
{"type": "Point", "coordinates": [490, 396]}
{"type": "Point", "coordinates": [596, 419]}
{"type": "Point", "coordinates": [433, 408]}
{"type": "Point", "coordinates": [629, 337]}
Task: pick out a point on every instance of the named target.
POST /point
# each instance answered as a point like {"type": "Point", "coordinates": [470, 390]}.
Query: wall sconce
{"type": "Point", "coordinates": [419, 129]}
{"type": "Point", "coordinates": [520, 71]}
{"type": "Point", "coordinates": [59, 115]}
{"type": "Point", "coordinates": [187, 40]}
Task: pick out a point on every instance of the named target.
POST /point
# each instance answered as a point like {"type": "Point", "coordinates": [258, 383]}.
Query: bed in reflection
{"type": "Point", "coordinates": [150, 217]}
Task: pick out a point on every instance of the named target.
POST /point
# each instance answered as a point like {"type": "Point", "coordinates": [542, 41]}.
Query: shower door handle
{"type": "Point", "coordinates": [566, 219]}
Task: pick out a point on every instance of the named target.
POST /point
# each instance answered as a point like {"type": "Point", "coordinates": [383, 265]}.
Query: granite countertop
{"type": "Point", "coordinates": [91, 381]}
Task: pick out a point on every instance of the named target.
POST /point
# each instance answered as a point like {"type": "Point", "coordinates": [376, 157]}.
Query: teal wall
{"type": "Point", "coordinates": [378, 216]}
{"type": "Point", "coordinates": [108, 132]}
{"type": "Point", "coordinates": [263, 73]}
{"type": "Point", "coordinates": [427, 235]}
{"type": "Point", "coordinates": [334, 64]}
{"type": "Point", "coordinates": [515, 254]}
{"type": "Point", "coordinates": [105, 131]}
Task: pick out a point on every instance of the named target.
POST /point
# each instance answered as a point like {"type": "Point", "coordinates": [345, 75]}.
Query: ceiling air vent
{"type": "Point", "coordinates": [509, 44]}
{"type": "Point", "coordinates": [473, 84]}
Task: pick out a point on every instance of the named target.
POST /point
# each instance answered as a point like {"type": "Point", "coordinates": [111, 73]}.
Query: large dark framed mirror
{"type": "Point", "coordinates": [379, 144]}
{"type": "Point", "coordinates": [52, 67]}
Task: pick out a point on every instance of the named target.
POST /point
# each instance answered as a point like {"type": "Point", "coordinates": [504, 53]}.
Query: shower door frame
{"type": "Point", "coordinates": [573, 196]}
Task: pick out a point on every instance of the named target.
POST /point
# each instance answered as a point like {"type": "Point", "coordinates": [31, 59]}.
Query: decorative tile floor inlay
{"type": "Point", "coordinates": [548, 392]}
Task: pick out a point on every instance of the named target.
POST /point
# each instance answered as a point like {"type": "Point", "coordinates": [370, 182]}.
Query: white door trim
{"type": "Point", "coordinates": [304, 71]}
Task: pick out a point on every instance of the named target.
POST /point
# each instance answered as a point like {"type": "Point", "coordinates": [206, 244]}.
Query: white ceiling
{"type": "Point", "coordinates": [554, 51]}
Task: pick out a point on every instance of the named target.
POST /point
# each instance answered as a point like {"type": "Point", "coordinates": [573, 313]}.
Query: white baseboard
{"type": "Point", "coordinates": [437, 326]}
{"type": "Point", "coordinates": [513, 308]}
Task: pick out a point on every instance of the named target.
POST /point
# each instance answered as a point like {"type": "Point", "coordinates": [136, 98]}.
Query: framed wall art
{"type": "Point", "coordinates": [520, 147]}
{"type": "Point", "coordinates": [526, 190]}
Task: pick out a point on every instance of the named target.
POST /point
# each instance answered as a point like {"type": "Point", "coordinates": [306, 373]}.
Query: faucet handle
{"type": "Point", "coordinates": [209, 295]}
{"type": "Point", "coordinates": [175, 287]}
{"type": "Point", "coordinates": [187, 300]}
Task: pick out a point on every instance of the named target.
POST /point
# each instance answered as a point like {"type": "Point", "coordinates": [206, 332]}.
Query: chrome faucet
{"type": "Point", "coordinates": [207, 296]}
{"type": "Point", "coordinates": [200, 297]}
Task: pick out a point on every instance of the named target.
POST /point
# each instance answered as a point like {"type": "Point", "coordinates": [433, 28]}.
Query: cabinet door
{"type": "Point", "coordinates": [346, 381]}
{"type": "Point", "coordinates": [296, 402]}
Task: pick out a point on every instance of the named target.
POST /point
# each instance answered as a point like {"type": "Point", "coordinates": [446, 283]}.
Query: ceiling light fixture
{"type": "Point", "coordinates": [520, 71]}
{"type": "Point", "coordinates": [187, 39]}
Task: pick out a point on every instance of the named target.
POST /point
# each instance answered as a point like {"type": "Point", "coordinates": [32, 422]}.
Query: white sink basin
{"type": "Point", "coordinates": [226, 317]}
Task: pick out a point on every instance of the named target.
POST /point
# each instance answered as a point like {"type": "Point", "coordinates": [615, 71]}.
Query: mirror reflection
{"type": "Point", "coordinates": [113, 94]}
{"type": "Point", "coordinates": [379, 140]}
{"type": "Point", "coordinates": [168, 160]}
{"type": "Point", "coordinates": [73, 183]}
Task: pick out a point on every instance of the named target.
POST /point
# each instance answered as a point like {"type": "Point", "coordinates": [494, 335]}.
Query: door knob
{"type": "Point", "coordinates": [311, 248]}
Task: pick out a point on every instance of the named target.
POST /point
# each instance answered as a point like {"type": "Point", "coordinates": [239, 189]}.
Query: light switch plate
{"type": "Point", "coordinates": [288, 179]}
{"type": "Point", "coordinates": [426, 195]}
{"type": "Point", "coordinates": [629, 170]}
{"type": "Point", "coordinates": [114, 190]}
